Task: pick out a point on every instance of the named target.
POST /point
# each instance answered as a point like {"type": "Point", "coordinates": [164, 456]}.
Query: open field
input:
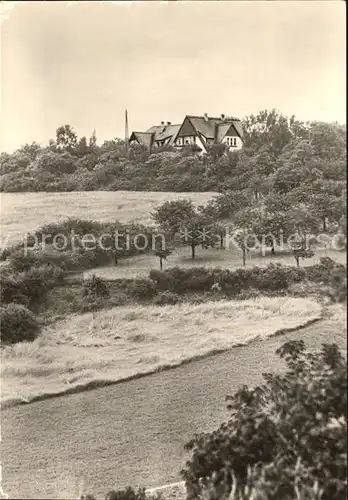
{"type": "Point", "coordinates": [124, 342]}
{"type": "Point", "coordinates": [140, 265]}
{"type": "Point", "coordinates": [134, 433]}
{"type": "Point", "coordinates": [23, 212]}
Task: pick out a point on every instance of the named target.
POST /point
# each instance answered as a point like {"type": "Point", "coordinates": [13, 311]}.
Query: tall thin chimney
{"type": "Point", "coordinates": [126, 138]}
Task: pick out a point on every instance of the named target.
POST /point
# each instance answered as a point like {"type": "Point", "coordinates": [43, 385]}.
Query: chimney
{"type": "Point", "coordinates": [205, 117]}
{"type": "Point", "coordinates": [222, 117]}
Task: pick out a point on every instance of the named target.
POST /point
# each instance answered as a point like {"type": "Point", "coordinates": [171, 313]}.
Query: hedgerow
{"type": "Point", "coordinates": [273, 278]}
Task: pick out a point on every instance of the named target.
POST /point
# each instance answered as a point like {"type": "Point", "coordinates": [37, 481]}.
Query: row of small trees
{"type": "Point", "coordinates": [232, 214]}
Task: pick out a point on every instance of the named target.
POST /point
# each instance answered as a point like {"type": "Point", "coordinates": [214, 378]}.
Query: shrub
{"type": "Point", "coordinates": [166, 298]}
{"type": "Point", "coordinates": [127, 494]}
{"type": "Point", "coordinates": [142, 289]}
{"type": "Point", "coordinates": [285, 436]}
{"type": "Point", "coordinates": [28, 287]}
{"type": "Point", "coordinates": [180, 280]}
{"type": "Point", "coordinates": [95, 287]}
{"type": "Point", "coordinates": [17, 324]}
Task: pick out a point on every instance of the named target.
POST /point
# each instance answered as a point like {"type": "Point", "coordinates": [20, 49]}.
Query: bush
{"type": "Point", "coordinates": [127, 494]}
{"type": "Point", "coordinates": [166, 298]}
{"type": "Point", "coordinates": [285, 437]}
{"type": "Point", "coordinates": [29, 286]}
{"type": "Point", "coordinates": [95, 287]}
{"type": "Point", "coordinates": [17, 324]}
{"type": "Point", "coordinates": [180, 280]}
{"type": "Point", "coordinates": [142, 289]}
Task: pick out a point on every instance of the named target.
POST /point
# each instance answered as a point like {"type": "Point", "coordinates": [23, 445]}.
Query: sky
{"type": "Point", "coordinates": [84, 63]}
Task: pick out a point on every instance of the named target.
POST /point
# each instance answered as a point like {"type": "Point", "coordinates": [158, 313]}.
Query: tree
{"type": "Point", "coordinates": [31, 150]}
{"type": "Point", "coordinates": [197, 231]}
{"type": "Point", "coordinates": [244, 241]}
{"type": "Point", "coordinates": [216, 151]}
{"type": "Point", "coordinates": [271, 128]}
{"type": "Point", "coordinates": [171, 216]}
{"type": "Point", "coordinates": [162, 250]}
{"type": "Point", "coordinates": [81, 148]}
{"type": "Point", "coordinates": [92, 143]}
{"type": "Point", "coordinates": [243, 234]}
{"type": "Point", "coordinates": [54, 163]}
{"type": "Point", "coordinates": [285, 439]}
{"type": "Point", "coordinates": [328, 140]}
{"type": "Point", "coordinates": [256, 176]}
{"type": "Point", "coordinates": [300, 249]}
{"type": "Point", "coordinates": [295, 167]}
{"type": "Point", "coordinates": [226, 205]}
{"type": "Point", "coordinates": [15, 162]}
{"type": "Point", "coordinates": [66, 138]}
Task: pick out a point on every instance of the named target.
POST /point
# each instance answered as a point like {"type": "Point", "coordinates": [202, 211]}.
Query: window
{"type": "Point", "coordinates": [231, 141]}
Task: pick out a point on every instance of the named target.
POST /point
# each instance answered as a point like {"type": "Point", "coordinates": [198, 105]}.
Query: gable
{"type": "Point", "coordinates": [186, 128]}
{"type": "Point", "coordinates": [239, 128]}
{"type": "Point", "coordinates": [232, 131]}
{"type": "Point", "coordinates": [222, 130]}
{"type": "Point", "coordinates": [144, 138]}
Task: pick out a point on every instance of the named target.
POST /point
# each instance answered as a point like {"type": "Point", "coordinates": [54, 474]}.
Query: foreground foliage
{"type": "Point", "coordinates": [286, 439]}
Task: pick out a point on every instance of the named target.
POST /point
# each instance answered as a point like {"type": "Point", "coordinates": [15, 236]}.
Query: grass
{"type": "Point", "coordinates": [23, 212]}
{"type": "Point", "coordinates": [140, 265]}
{"type": "Point", "coordinates": [134, 433]}
{"type": "Point", "coordinates": [125, 342]}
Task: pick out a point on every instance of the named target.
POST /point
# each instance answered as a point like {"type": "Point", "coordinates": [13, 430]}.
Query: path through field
{"type": "Point", "coordinates": [133, 433]}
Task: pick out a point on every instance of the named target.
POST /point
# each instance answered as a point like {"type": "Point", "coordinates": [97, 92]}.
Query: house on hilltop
{"type": "Point", "coordinates": [156, 136]}
{"type": "Point", "coordinates": [200, 131]}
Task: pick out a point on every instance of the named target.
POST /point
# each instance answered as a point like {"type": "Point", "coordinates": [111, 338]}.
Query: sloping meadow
{"type": "Point", "coordinates": [125, 342]}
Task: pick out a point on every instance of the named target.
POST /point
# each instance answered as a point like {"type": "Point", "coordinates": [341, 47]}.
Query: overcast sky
{"type": "Point", "coordinates": [84, 63]}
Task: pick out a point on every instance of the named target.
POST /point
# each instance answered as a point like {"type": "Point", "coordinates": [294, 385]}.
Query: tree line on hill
{"type": "Point", "coordinates": [280, 154]}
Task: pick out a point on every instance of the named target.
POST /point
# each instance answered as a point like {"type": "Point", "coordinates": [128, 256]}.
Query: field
{"type": "Point", "coordinates": [124, 342]}
{"type": "Point", "coordinates": [134, 432]}
{"type": "Point", "coordinates": [23, 212]}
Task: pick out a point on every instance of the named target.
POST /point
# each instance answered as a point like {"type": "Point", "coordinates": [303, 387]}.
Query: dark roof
{"type": "Point", "coordinates": [155, 129]}
{"type": "Point", "coordinates": [144, 138]}
{"type": "Point", "coordinates": [169, 131]}
{"type": "Point", "coordinates": [209, 128]}
{"type": "Point", "coordinates": [205, 126]}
